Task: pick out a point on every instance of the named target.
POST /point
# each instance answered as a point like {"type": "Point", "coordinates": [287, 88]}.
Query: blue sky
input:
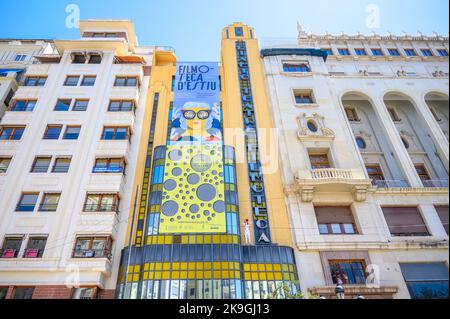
{"type": "Point", "coordinates": [193, 27]}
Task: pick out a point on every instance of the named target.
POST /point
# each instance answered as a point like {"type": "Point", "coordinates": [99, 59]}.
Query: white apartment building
{"type": "Point", "coordinates": [15, 56]}
{"type": "Point", "coordinates": [364, 153]}
{"type": "Point", "coordinates": [68, 148]}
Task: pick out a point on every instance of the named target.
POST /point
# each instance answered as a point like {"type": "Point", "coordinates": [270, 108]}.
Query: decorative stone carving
{"type": "Point", "coordinates": [414, 146]}
{"type": "Point", "coordinates": [371, 144]}
{"type": "Point", "coordinates": [360, 193]}
{"type": "Point", "coordinates": [307, 193]}
{"type": "Point", "coordinates": [312, 127]}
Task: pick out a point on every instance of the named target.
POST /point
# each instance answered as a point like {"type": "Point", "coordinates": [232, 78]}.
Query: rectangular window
{"type": "Point", "coordinates": [11, 247]}
{"type": "Point", "coordinates": [35, 81]}
{"type": "Point", "coordinates": [62, 165]}
{"type": "Point", "coordinates": [72, 80]}
{"type": "Point", "coordinates": [109, 165]}
{"type": "Point", "coordinates": [410, 52]}
{"type": "Point", "coordinates": [360, 52]}
{"type": "Point", "coordinates": [375, 173]}
{"type": "Point", "coordinates": [72, 133]}
{"type": "Point", "coordinates": [443, 216]}
{"type": "Point", "coordinates": [35, 247]}
{"type": "Point", "coordinates": [62, 105]}
{"type": "Point", "coordinates": [394, 52]}
{"type": "Point", "coordinates": [9, 97]}
{"type": "Point", "coordinates": [303, 98]}
{"type": "Point", "coordinates": [79, 59]}
{"type": "Point", "coordinates": [80, 105]}
{"type": "Point", "coordinates": [405, 221]}
{"type": "Point", "coordinates": [88, 81]}
{"type": "Point", "coordinates": [377, 52]}
{"type": "Point", "coordinates": [49, 202]}
{"type": "Point", "coordinates": [23, 293]}
{"type": "Point", "coordinates": [95, 59]}
{"type": "Point", "coordinates": [126, 81]}
{"type": "Point", "coordinates": [239, 32]}
{"type": "Point", "coordinates": [427, 52]}
{"type": "Point", "coordinates": [423, 173]}
{"type": "Point", "coordinates": [3, 292]}
{"type": "Point", "coordinates": [101, 203]}
{"type": "Point", "coordinates": [83, 293]}
{"type": "Point", "coordinates": [11, 133]}
{"type": "Point", "coordinates": [352, 115]}
{"type": "Point", "coordinates": [426, 280]}
{"type": "Point", "coordinates": [92, 247]}
{"type": "Point", "coordinates": [348, 272]}
{"type": "Point", "coordinates": [121, 106]}
{"type": "Point", "coordinates": [115, 133]}
{"type": "Point", "coordinates": [344, 52]}
{"type": "Point", "coordinates": [394, 115]}
{"type": "Point", "coordinates": [4, 164]}
{"type": "Point", "coordinates": [20, 57]}
{"type": "Point", "coordinates": [52, 132]}
{"type": "Point", "coordinates": [23, 106]}
{"type": "Point", "coordinates": [335, 220]}
{"type": "Point", "coordinates": [319, 161]}
{"type": "Point", "coordinates": [296, 68]}
{"type": "Point", "coordinates": [442, 52]}
{"type": "Point", "coordinates": [41, 165]}
{"type": "Point", "coordinates": [27, 202]}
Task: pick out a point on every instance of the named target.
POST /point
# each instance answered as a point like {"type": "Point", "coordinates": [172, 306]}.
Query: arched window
{"type": "Point", "coordinates": [361, 143]}
{"type": "Point", "coordinates": [312, 126]}
{"type": "Point", "coordinates": [405, 142]}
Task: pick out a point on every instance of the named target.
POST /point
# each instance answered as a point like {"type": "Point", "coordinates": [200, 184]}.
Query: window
{"type": "Point", "coordinates": [20, 57]}
{"type": "Point", "coordinates": [61, 165]}
{"type": "Point", "coordinates": [115, 133]}
{"type": "Point", "coordinates": [344, 52]}
{"type": "Point", "coordinates": [4, 164]}
{"type": "Point", "coordinates": [62, 105]}
{"type": "Point", "coordinates": [35, 81]}
{"type": "Point", "coordinates": [9, 97]}
{"type": "Point", "coordinates": [393, 52]}
{"type": "Point", "coordinates": [11, 133]}
{"type": "Point", "coordinates": [72, 133]}
{"type": "Point", "coordinates": [423, 173]}
{"type": "Point", "coordinates": [104, 35]}
{"type": "Point", "coordinates": [52, 132]}
{"type": "Point", "coordinates": [88, 81]}
{"type": "Point", "coordinates": [405, 221]}
{"type": "Point", "coordinates": [435, 115]}
{"type": "Point", "coordinates": [23, 293]}
{"type": "Point", "coordinates": [95, 59]}
{"type": "Point", "coordinates": [348, 272]}
{"type": "Point", "coordinates": [27, 202]}
{"type": "Point", "coordinates": [79, 59]}
{"type": "Point", "coordinates": [11, 247]}
{"type": "Point", "coordinates": [303, 98]}
{"type": "Point", "coordinates": [296, 68]}
{"type": "Point", "coordinates": [101, 203]}
{"type": "Point", "coordinates": [126, 81]}
{"type": "Point", "coordinates": [361, 143]}
{"type": "Point", "coordinates": [121, 106]}
{"type": "Point", "coordinates": [360, 52]}
{"type": "Point", "coordinates": [410, 52]}
{"type": "Point", "coordinates": [35, 247]}
{"type": "Point", "coordinates": [312, 126]}
{"type": "Point", "coordinates": [329, 51]}
{"type": "Point", "coordinates": [109, 165]}
{"type": "Point", "coordinates": [319, 161]}
{"type": "Point", "coordinates": [3, 292]}
{"type": "Point", "coordinates": [41, 165]}
{"type": "Point", "coordinates": [377, 52]}
{"type": "Point", "coordinates": [443, 215]}
{"type": "Point", "coordinates": [427, 280]}
{"type": "Point", "coordinates": [83, 293]}
{"type": "Point", "coordinates": [352, 115]}
{"type": "Point", "coordinates": [23, 106]}
{"type": "Point", "coordinates": [442, 52]}
{"type": "Point", "coordinates": [335, 220]}
{"type": "Point", "coordinates": [80, 105]}
{"type": "Point", "coordinates": [239, 31]}
{"type": "Point", "coordinates": [49, 202]}
{"type": "Point", "coordinates": [72, 80]}
{"type": "Point", "coordinates": [394, 115]}
{"type": "Point", "coordinates": [92, 247]}
{"type": "Point", "coordinates": [375, 173]}
{"type": "Point", "coordinates": [426, 52]}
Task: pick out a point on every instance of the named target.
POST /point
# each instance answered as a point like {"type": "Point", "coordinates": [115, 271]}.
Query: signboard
{"type": "Point", "coordinates": [193, 189]}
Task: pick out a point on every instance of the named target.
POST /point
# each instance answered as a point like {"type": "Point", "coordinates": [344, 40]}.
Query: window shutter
{"type": "Point", "coordinates": [334, 215]}
{"type": "Point", "coordinates": [405, 221]}
{"type": "Point", "coordinates": [443, 215]}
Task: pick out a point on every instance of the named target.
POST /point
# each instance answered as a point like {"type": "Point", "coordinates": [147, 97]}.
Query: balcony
{"type": "Point", "coordinates": [92, 254]}
{"type": "Point", "coordinates": [443, 183]}
{"type": "Point", "coordinates": [390, 183]}
{"type": "Point", "coordinates": [332, 180]}
{"type": "Point", "coordinates": [352, 291]}
{"type": "Point", "coordinates": [102, 208]}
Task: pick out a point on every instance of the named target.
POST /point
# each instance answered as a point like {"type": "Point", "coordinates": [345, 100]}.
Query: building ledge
{"type": "Point", "coordinates": [386, 245]}
{"type": "Point", "coordinates": [351, 292]}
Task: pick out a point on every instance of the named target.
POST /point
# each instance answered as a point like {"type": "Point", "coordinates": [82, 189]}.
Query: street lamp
{"type": "Point", "coordinates": [340, 291]}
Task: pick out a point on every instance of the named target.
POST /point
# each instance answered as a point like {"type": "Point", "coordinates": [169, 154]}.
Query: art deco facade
{"type": "Point", "coordinates": [125, 173]}
{"type": "Point", "coordinates": [363, 124]}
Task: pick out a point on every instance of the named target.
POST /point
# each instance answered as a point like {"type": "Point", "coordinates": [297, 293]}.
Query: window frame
{"type": "Point", "coordinates": [394, 52]}
{"type": "Point", "coordinates": [126, 79]}
{"type": "Point", "coordinates": [410, 52]}
{"type": "Point", "coordinates": [43, 207]}
{"type": "Point", "coordinates": [39, 80]}
{"type": "Point", "coordinates": [51, 136]}
{"type": "Point", "coordinates": [4, 168]}
{"type": "Point", "coordinates": [350, 262]}
{"type": "Point", "coordinates": [344, 52]}
{"type": "Point", "coordinates": [15, 251]}
{"type": "Point", "coordinates": [108, 168]}
{"type": "Point", "coordinates": [354, 116]}
{"type": "Point", "coordinates": [358, 52]}
{"type": "Point", "coordinates": [114, 137]}
{"type": "Point", "coordinates": [120, 108]}
{"type": "Point", "coordinates": [108, 246]}
{"type": "Point", "coordinates": [71, 136]}
{"type": "Point", "coordinates": [25, 108]}
{"type": "Point", "coordinates": [39, 168]}
{"type": "Point", "coordinates": [38, 252]}
{"type": "Point", "coordinates": [373, 50]}
{"type": "Point", "coordinates": [19, 206]}
{"type": "Point", "coordinates": [12, 136]}
{"type": "Point", "coordinates": [296, 67]}
{"type": "Point", "coordinates": [67, 81]}
{"type": "Point", "coordinates": [74, 106]}
{"type": "Point", "coordinates": [323, 155]}
{"type": "Point", "coordinates": [58, 171]}
{"type": "Point", "coordinates": [65, 104]}
{"type": "Point", "coordinates": [100, 208]}
{"type": "Point", "coordinates": [88, 84]}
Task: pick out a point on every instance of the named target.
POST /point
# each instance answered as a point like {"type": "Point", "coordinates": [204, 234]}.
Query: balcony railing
{"type": "Point", "coordinates": [9, 253]}
{"type": "Point", "coordinates": [33, 253]}
{"type": "Point", "coordinates": [390, 183]}
{"type": "Point", "coordinates": [92, 253]}
{"type": "Point", "coordinates": [443, 183]}
{"type": "Point", "coordinates": [110, 169]}
{"type": "Point", "coordinates": [92, 208]}
{"type": "Point", "coordinates": [331, 173]}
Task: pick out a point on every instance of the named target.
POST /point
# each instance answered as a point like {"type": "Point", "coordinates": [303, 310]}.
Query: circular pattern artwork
{"type": "Point", "coordinates": [170, 208]}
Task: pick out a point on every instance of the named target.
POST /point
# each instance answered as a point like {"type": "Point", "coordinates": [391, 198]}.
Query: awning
{"type": "Point", "coordinates": [130, 59]}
